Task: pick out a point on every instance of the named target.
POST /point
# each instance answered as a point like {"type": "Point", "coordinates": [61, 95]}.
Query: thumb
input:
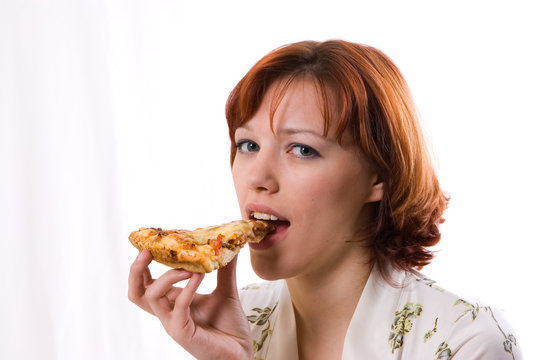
{"type": "Point", "coordinates": [227, 280]}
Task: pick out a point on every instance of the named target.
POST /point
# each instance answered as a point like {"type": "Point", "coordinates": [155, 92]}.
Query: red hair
{"type": "Point", "coordinates": [365, 94]}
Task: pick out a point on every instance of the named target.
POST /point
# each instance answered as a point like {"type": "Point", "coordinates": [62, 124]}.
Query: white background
{"type": "Point", "coordinates": [112, 118]}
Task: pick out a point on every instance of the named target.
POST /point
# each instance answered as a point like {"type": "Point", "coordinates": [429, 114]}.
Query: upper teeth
{"type": "Point", "coordinates": [263, 216]}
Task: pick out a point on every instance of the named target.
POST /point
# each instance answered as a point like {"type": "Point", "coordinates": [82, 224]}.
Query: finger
{"type": "Point", "coordinates": [186, 297]}
{"type": "Point", "coordinates": [172, 296]}
{"type": "Point", "coordinates": [156, 293]}
{"type": "Point", "coordinates": [147, 278]}
{"type": "Point", "coordinates": [227, 280]}
{"type": "Point", "coordinates": [139, 276]}
{"type": "Point", "coordinates": [181, 312]}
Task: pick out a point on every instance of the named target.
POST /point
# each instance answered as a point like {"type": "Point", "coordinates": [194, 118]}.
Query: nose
{"type": "Point", "coordinates": [262, 175]}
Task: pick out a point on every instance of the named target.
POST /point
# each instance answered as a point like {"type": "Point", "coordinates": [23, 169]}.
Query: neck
{"type": "Point", "coordinates": [324, 303]}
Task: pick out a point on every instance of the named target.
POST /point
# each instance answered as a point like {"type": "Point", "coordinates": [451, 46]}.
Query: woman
{"type": "Point", "coordinates": [325, 138]}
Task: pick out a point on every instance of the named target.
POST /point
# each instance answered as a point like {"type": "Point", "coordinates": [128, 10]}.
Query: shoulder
{"type": "Point", "coordinates": [462, 328]}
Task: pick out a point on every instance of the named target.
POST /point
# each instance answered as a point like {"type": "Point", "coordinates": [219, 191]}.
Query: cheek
{"type": "Point", "coordinates": [335, 200]}
{"type": "Point", "coordinates": [330, 187]}
{"type": "Point", "coordinates": [316, 193]}
{"type": "Point", "coordinates": [238, 183]}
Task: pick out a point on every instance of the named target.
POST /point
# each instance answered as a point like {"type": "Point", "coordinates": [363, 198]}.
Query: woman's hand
{"type": "Point", "coordinates": [208, 326]}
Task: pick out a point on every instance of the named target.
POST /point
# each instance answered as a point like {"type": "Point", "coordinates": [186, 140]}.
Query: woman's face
{"type": "Point", "coordinates": [314, 186]}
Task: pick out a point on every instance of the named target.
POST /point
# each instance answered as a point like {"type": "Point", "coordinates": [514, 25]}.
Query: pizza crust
{"type": "Point", "coordinates": [200, 250]}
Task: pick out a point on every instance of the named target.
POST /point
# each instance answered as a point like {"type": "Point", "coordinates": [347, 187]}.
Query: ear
{"type": "Point", "coordinates": [376, 191]}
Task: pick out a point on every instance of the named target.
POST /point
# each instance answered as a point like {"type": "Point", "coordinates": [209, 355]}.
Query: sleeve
{"type": "Point", "coordinates": [487, 336]}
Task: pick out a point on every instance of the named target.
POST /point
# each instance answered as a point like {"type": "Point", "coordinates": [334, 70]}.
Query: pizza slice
{"type": "Point", "coordinates": [201, 250]}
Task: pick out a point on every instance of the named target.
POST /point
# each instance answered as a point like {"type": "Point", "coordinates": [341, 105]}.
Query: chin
{"type": "Point", "coordinates": [267, 269]}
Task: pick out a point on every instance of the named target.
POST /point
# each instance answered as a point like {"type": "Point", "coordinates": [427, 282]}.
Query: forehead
{"type": "Point", "coordinates": [292, 104]}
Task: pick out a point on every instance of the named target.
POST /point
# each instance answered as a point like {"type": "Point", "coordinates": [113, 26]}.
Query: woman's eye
{"type": "Point", "coordinates": [247, 146]}
{"type": "Point", "coordinates": [304, 151]}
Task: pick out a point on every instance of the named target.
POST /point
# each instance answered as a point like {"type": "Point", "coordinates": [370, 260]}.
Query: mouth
{"type": "Point", "coordinates": [280, 224]}
{"type": "Point", "coordinates": [273, 219]}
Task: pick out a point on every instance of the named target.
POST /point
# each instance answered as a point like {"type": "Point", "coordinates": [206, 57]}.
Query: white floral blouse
{"type": "Point", "coordinates": [418, 320]}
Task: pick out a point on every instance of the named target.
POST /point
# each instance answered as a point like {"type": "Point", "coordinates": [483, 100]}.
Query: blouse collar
{"type": "Point", "coordinates": [376, 306]}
